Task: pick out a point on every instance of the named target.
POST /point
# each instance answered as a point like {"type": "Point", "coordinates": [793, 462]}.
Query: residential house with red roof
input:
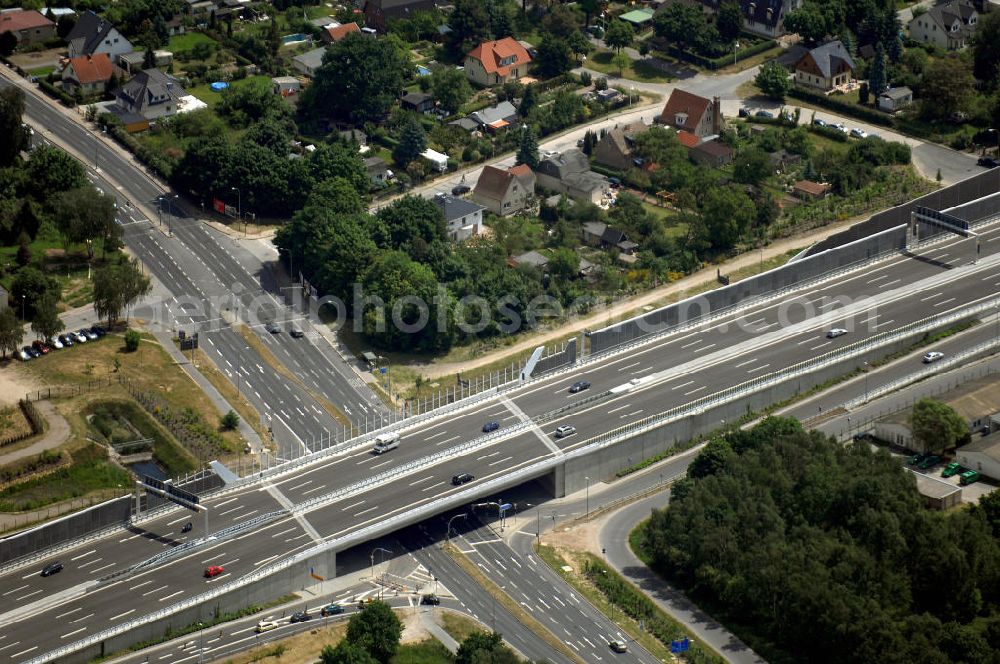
{"type": "Point", "coordinates": [87, 75]}
{"type": "Point", "coordinates": [689, 112]}
{"type": "Point", "coordinates": [27, 25]}
{"type": "Point", "coordinates": [336, 31]}
{"type": "Point", "coordinates": [497, 62]}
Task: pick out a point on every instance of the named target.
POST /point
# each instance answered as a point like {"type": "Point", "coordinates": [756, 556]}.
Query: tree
{"type": "Point", "coordinates": [480, 648]}
{"type": "Point", "coordinates": [30, 287]}
{"type": "Point", "coordinates": [619, 35]}
{"type": "Point", "coordinates": [863, 93]}
{"type": "Point", "coordinates": [727, 214]}
{"type": "Point", "coordinates": [65, 25]}
{"type": "Point", "coordinates": [50, 170]}
{"type": "Point", "coordinates": [148, 58]}
{"type": "Point", "coordinates": [132, 340]}
{"type": "Point", "coordinates": [47, 323]}
{"type": "Point", "coordinates": [118, 287]}
{"type": "Point", "coordinates": [87, 214]}
{"type": "Point", "coordinates": [470, 26]}
{"type": "Point", "coordinates": [877, 75]}
{"type": "Point", "coordinates": [589, 8]}
{"type": "Point", "coordinates": [345, 653]}
{"type": "Point", "coordinates": [376, 630]}
{"type": "Point", "coordinates": [412, 142]}
{"type": "Point", "coordinates": [229, 421]}
{"type": "Point", "coordinates": [772, 79]}
{"type": "Point", "coordinates": [273, 38]}
{"type": "Point", "coordinates": [986, 49]}
{"type": "Point", "coordinates": [560, 21]}
{"type": "Point", "coordinates": [11, 331]}
{"type": "Point", "coordinates": [410, 224]}
{"type": "Point", "coordinates": [8, 43]}
{"type": "Point", "coordinates": [528, 101]}
{"type": "Point", "coordinates": [937, 426]}
{"type": "Point", "coordinates": [554, 56]}
{"type": "Point", "coordinates": [751, 166]}
{"type": "Point", "coordinates": [683, 24]}
{"type": "Point", "coordinates": [809, 22]}
{"type": "Point", "coordinates": [11, 127]}
{"type": "Point", "coordinates": [359, 80]}
{"type": "Point", "coordinates": [947, 87]}
{"type": "Point", "coordinates": [450, 87]}
{"type": "Point", "coordinates": [578, 44]}
{"type": "Point", "coordinates": [527, 152]}
{"type": "Point", "coordinates": [729, 21]}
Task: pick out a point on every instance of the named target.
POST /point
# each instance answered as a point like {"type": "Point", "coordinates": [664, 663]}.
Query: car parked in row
{"type": "Point", "coordinates": [968, 477]}
{"type": "Point", "coordinates": [40, 347]}
{"type": "Point", "coordinates": [929, 462]}
{"type": "Point", "coordinates": [858, 132]}
{"type": "Point", "coordinates": [953, 468]}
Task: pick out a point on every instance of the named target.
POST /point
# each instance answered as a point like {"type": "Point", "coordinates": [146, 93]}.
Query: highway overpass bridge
{"type": "Point", "coordinates": [280, 531]}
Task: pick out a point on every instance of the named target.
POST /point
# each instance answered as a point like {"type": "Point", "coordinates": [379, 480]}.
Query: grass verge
{"type": "Point", "coordinates": [459, 627]}
{"type": "Point", "coordinates": [601, 584]}
{"type": "Point", "coordinates": [281, 369]}
{"type": "Point", "coordinates": [513, 607]}
{"type": "Point", "coordinates": [88, 471]}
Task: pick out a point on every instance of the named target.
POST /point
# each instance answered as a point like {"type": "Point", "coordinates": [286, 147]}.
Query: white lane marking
{"type": "Point", "coordinates": [615, 410]}
{"type": "Point", "coordinates": [820, 346]}
{"type": "Point", "coordinates": [697, 389]}
{"type": "Point", "coordinates": [429, 477]}
{"type": "Point", "coordinates": [432, 486]}
{"type": "Point", "coordinates": [154, 591]}
{"type": "Point", "coordinates": [743, 364]}
{"type": "Point", "coordinates": [23, 652]}
{"type": "Point", "coordinates": [144, 583]}
{"type": "Point", "coordinates": [120, 615]}
{"type": "Point", "coordinates": [69, 612]}
{"type": "Point", "coordinates": [943, 302]}
{"type": "Point", "coordinates": [344, 509]}
{"type": "Point", "coordinates": [622, 417]}
{"type": "Point", "coordinates": [373, 507]}
{"type": "Point", "coordinates": [84, 555]}
{"type": "Point", "coordinates": [760, 368]}
{"type": "Point", "coordinates": [16, 589]}
{"type": "Point", "coordinates": [677, 387]}
{"type": "Point", "coordinates": [18, 599]}
{"type": "Point", "coordinates": [634, 364]}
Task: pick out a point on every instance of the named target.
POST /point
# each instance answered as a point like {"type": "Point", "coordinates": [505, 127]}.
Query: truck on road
{"type": "Point", "coordinates": [385, 442]}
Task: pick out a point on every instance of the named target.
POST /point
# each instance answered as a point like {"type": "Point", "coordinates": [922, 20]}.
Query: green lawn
{"type": "Point", "coordinates": [187, 41]}
{"type": "Point", "coordinates": [205, 93]}
{"type": "Point", "coordinates": [602, 61]}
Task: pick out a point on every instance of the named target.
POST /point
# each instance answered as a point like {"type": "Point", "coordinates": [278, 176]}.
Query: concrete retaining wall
{"type": "Point", "coordinates": [893, 239]}
{"type": "Point", "coordinates": [977, 186]}
{"type": "Point", "coordinates": [84, 522]}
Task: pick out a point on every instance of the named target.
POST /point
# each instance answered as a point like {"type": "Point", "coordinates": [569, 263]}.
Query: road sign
{"type": "Point", "coordinates": [382, 370]}
{"type": "Point", "coordinates": [506, 506]}
{"type": "Point", "coordinates": [171, 493]}
{"type": "Point", "coordinates": [153, 482]}
{"type": "Point", "coordinates": [680, 646]}
{"type": "Point", "coordinates": [182, 494]}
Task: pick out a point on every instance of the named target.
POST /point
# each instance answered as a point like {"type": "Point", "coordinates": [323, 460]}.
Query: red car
{"type": "Point", "coordinates": [41, 347]}
{"type": "Point", "coordinates": [214, 570]}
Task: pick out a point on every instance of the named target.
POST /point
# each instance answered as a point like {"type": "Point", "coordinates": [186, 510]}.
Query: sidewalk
{"type": "Point", "coordinates": [56, 435]}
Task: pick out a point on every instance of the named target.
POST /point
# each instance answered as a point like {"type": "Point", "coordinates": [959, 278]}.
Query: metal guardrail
{"type": "Point", "coordinates": [930, 370]}
{"type": "Point", "coordinates": [533, 470]}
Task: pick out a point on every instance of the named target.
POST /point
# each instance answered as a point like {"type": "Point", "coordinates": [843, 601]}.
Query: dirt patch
{"type": "Point", "coordinates": [38, 59]}
{"type": "Point", "coordinates": [304, 647]}
{"type": "Point", "coordinates": [14, 384]}
{"type": "Point", "coordinates": [413, 629]}
{"type": "Point", "coordinates": [580, 536]}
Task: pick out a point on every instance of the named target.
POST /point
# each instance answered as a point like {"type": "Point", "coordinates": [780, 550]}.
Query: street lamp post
{"type": "Point", "coordinates": [170, 213]}
{"type": "Point", "coordinates": [866, 382]}
{"type": "Point", "coordinates": [201, 642]}
{"type": "Point", "coordinates": [588, 495]}
{"type": "Point", "coordinates": [374, 551]}
{"type": "Point", "coordinates": [736, 46]}
{"type": "Point", "coordinates": [447, 535]}
{"type": "Point", "coordinates": [239, 208]}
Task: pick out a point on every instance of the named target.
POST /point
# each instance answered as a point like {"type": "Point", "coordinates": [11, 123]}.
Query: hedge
{"type": "Point", "coordinates": [860, 112]}
{"type": "Point", "coordinates": [721, 61]}
{"type": "Point", "coordinates": [53, 91]}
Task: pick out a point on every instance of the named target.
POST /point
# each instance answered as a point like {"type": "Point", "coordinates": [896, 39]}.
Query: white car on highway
{"type": "Point", "coordinates": [836, 332]}
{"type": "Point", "coordinates": [933, 356]}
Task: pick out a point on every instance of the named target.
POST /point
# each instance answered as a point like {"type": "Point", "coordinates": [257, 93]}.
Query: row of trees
{"type": "Point", "coordinates": [373, 638]}
{"type": "Point", "coordinates": [821, 552]}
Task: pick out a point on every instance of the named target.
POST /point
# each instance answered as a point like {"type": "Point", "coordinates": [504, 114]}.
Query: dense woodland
{"type": "Point", "coordinates": [814, 551]}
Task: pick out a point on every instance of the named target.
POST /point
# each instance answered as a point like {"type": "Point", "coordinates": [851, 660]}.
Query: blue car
{"type": "Point", "coordinates": [491, 426]}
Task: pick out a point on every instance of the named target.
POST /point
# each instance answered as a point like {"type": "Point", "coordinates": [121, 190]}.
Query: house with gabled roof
{"type": "Point", "coordinates": [688, 112]}
{"type": "Point", "coordinates": [825, 67]}
{"type": "Point", "coordinates": [505, 191]}
{"type": "Point", "coordinates": [497, 62]}
{"type": "Point", "coordinates": [949, 25]}
{"type": "Point", "coordinates": [92, 34]}
{"type": "Point", "coordinates": [150, 94]}
{"type": "Point", "coordinates": [495, 118]}
{"type": "Point", "coordinates": [462, 218]}
{"type": "Point", "coordinates": [766, 17]}
{"type": "Point", "coordinates": [334, 32]}
{"type": "Point", "coordinates": [27, 25]}
{"type": "Point", "coordinates": [616, 148]}
{"type": "Point", "coordinates": [569, 173]}
{"type": "Point", "coordinates": [87, 75]}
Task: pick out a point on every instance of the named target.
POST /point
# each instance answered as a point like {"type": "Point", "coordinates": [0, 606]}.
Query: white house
{"type": "Point", "coordinates": [948, 26]}
{"type": "Point", "coordinates": [92, 35]}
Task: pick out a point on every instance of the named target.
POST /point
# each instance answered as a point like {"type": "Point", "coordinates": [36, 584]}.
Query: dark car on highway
{"type": "Point", "coordinates": [491, 426]}
{"type": "Point", "coordinates": [431, 599]}
{"type": "Point", "coordinates": [52, 568]}
{"type": "Point", "coordinates": [187, 527]}
{"type": "Point", "coordinates": [579, 386]}
{"type": "Point", "coordinates": [273, 328]}
{"type": "Point", "coordinates": [462, 478]}
{"type": "Point", "coordinates": [300, 616]}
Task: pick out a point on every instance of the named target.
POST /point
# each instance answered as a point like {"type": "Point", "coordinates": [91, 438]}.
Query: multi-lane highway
{"type": "Point", "coordinates": [197, 265]}
{"type": "Point", "coordinates": [693, 364]}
